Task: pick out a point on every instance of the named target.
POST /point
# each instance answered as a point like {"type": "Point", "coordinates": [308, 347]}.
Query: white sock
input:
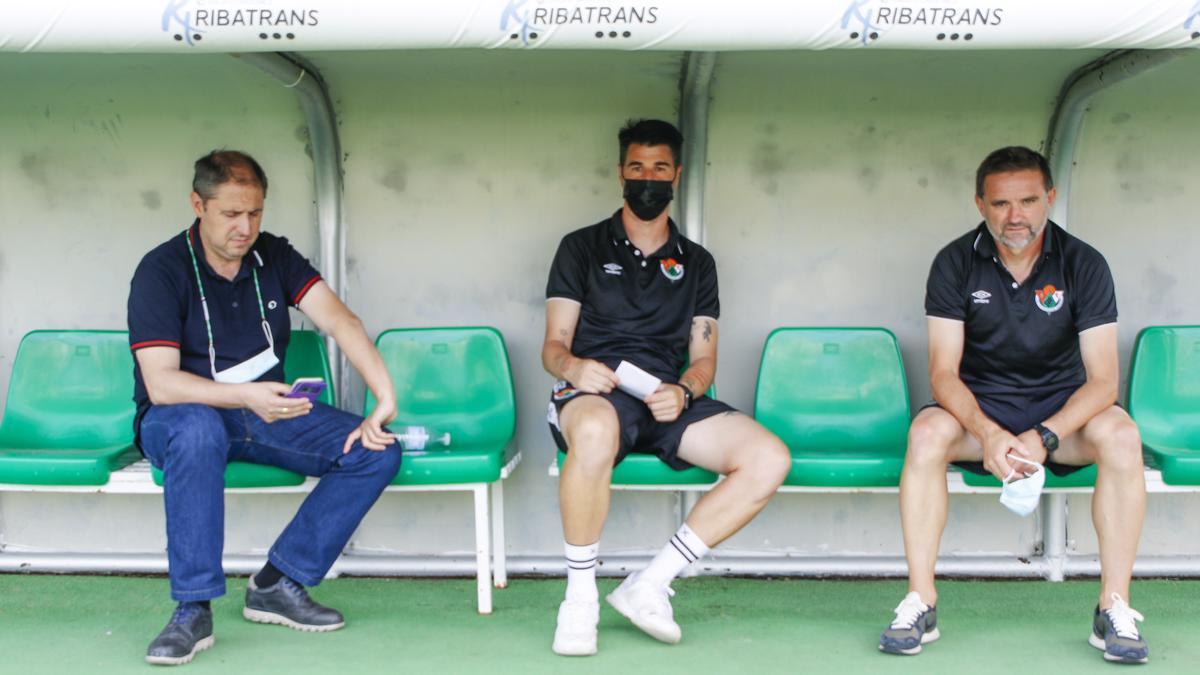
{"type": "Point", "coordinates": [683, 549]}
{"type": "Point", "coordinates": [581, 571]}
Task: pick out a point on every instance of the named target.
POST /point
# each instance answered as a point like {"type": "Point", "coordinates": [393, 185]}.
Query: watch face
{"type": "Point", "coordinates": [1049, 439]}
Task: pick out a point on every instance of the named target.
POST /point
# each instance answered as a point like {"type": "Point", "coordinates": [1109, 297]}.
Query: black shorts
{"type": "Point", "coordinates": [1018, 414]}
{"type": "Point", "coordinates": [639, 430]}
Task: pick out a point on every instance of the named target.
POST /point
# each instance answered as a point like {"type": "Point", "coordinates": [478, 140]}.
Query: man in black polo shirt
{"type": "Point", "coordinates": [1022, 322]}
{"type": "Point", "coordinates": [209, 325]}
{"type": "Point", "coordinates": [632, 288]}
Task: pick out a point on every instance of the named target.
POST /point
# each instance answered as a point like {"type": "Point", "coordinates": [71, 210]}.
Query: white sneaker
{"type": "Point", "coordinates": [648, 606]}
{"type": "Point", "coordinates": [575, 634]}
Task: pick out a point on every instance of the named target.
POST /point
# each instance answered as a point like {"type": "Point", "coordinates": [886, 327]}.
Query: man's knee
{"type": "Point", "coordinates": [1119, 444]}
{"type": "Point", "coordinates": [197, 434]}
{"type": "Point", "coordinates": [593, 433]}
{"type": "Point", "coordinates": [770, 462]}
{"type": "Point", "coordinates": [930, 438]}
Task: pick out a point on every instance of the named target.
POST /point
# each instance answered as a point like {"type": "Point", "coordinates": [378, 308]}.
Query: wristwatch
{"type": "Point", "coordinates": [687, 396]}
{"type": "Point", "coordinates": [1049, 438]}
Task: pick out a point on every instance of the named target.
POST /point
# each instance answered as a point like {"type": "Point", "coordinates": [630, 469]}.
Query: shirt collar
{"type": "Point", "coordinates": [985, 244]}
{"type": "Point", "coordinates": [193, 233]}
{"type": "Point", "coordinates": [674, 245]}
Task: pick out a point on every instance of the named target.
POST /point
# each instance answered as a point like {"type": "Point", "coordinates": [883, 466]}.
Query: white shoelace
{"type": "Point", "coordinates": [1124, 617]}
{"type": "Point", "coordinates": [909, 609]}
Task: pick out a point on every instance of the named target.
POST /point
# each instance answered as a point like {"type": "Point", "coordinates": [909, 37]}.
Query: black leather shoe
{"type": "Point", "coordinates": [189, 631]}
{"type": "Point", "coordinates": [287, 604]}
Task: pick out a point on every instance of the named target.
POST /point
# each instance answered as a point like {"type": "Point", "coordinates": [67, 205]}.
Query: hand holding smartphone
{"type": "Point", "coordinates": [310, 388]}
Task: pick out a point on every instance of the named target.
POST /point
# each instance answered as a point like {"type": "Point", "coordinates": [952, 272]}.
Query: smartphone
{"type": "Point", "coordinates": [307, 387]}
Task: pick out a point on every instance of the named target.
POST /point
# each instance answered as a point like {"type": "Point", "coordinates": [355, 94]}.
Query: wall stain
{"type": "Point", "coordinates": [301, 133]}
{"type": "Point", "coordinates": [484, 183]}
{"type": "Point", "coordinates": [1121, 118]}
{"type": "Point", "coordinates": [396, 178]}
{"type": "Point", "coordinates": [923, 181]}
{"type": "Point", "coordinates": [868, 178]}
{"type": "Point", "coordinates": [765, 166]}
{"type": "Point", "coordinates": [151, 199]}
{"type": "Point", "coordinates": [34, 168]}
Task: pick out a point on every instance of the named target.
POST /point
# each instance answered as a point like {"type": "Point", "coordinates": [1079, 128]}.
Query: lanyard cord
{"type": "Point", "coordinates": [212, 351]}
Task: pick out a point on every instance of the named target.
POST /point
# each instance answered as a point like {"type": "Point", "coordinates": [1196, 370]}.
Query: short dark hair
{"type": "Point", "coordinates": [226, 166]}
{"type": "Point", "coordinates": [1012, 158]}
{"type": "Point", "coordinates": [651, 132]}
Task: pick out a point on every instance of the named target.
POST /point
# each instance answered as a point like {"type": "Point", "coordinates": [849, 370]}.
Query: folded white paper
{"type": "Point", "coordinates": [635, 381]}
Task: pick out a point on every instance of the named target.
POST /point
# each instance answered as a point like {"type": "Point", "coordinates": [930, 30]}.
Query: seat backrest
{"type": "Point", "coordinates": [306, 357]}
{"type": "Point", "coordinates": [1164, 385]}
{"type": "Point", "coordinates": [451, 379]}
{"type": "Point", "coordinates": [70, 389]}
{"type": "Point", "coordinates": [833, 388]}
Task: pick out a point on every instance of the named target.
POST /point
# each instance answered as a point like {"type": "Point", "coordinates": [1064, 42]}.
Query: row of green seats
{"type": "Point", "coordinates": [839, 399]}
{"type": "Point", "coordinates": [69, 415]}
{"type": "Point", "coordinates": [837, 396]}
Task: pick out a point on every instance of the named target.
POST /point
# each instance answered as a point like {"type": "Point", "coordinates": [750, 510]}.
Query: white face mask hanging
{"type": "Point", "coordinates": [1022, 496]}
{"type": "Point", "coordinates": [253, 368]}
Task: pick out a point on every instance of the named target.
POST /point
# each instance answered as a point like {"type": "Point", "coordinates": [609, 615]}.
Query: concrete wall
{"type": "Point", "coordinates": [833, 179]}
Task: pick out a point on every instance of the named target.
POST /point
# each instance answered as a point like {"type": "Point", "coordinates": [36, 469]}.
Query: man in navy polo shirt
{"type": "Point", "coordinates": [632, 288]}
{"type": "Point", "coordinates": [1022, 320]}
{"type": "Point", "coordinates": [209, 326]}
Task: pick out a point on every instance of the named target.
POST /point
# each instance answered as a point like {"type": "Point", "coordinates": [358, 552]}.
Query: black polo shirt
{"type": "Point", "coordinates": [1021, 339]}
{"type": "Point", "coordinates": [164, 305]}
{"type": "Point", "coordinates": [634, 306]}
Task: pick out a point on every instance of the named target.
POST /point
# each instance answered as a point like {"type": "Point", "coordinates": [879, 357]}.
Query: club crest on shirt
{"type": "Point", "coordinates": [672, 269]}
{"type": "Point", "coordinates": [1048, 299]}
{"type": "Point", "coordinates": [612, 268]}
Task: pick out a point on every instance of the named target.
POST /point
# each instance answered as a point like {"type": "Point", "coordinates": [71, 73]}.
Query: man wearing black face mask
{"type": "Point", "coordinates": [632, 289]}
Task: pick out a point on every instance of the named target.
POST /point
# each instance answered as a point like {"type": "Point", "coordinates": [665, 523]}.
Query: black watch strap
{"type": "Point", "coordinates": [687, 396]}
{"type": "Point", "coordinates": [1049, 438]}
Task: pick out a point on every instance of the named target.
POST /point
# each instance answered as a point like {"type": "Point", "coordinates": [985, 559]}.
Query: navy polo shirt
{"type": "Point", "coordinates": [634, 306]}
{"type": "Point", "coordinates": [164, 306]}
{"type": "Point", "coordinates": [1021, 339]}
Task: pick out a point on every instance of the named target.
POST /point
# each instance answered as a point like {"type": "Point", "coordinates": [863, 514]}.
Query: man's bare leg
{"type": "Point", "coordinates": [1111, 441]}
{"type": "Point", "coordinates": [592, 431]}
{"type": "Point", "coordinates": [934, 440]}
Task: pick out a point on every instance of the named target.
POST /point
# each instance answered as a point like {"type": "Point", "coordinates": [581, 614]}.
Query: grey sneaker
{"type": "Point", "coordinates": [1114, 631]}
{"type": "Point", "coordinates": [189, 631]}
{"type": "Point", "coordinates": [915, 625]}
{"type": "Point", "coordinates": [287, 604]}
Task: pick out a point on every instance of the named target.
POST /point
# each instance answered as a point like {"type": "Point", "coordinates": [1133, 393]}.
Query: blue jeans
{"type": "Point", "coordinates": [192, 443]}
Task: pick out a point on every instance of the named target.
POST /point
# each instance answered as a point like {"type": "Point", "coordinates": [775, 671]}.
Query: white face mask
{"type": "Point", "coordinates": [1022, 496]}
{"type": "Point", "coordinates": [250, 369]}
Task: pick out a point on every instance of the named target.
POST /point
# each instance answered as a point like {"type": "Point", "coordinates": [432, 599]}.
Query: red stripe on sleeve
{"type": "Point", "coordinates": [153, 343]}
{"type": "Point", "coordinates": [304, 291]}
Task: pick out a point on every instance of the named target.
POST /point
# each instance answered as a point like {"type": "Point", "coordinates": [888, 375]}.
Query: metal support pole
{"type": "Point", "coordinates": [483, 550]}
{"type": "Point", "coordinates": [1067, 120]}
{"type": "Point", "coordinates": [694, 99]}
{"type": "Point", "coordinates": [1054, 534]}
{"type": "Point", "coordinates": [302, 78]}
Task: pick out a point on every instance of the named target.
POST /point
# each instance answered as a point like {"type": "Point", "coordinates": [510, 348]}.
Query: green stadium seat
{"type": "Point", "coordinates": [69, 415]}
{"type": "Point", "coordinates": [839, 400]}
{"type": "Point", "coordinates": [454, 380]}
{"type": "Point", "coordinates": [1164, 400]}
{"type": "Point", "coordinates": [306, 357]}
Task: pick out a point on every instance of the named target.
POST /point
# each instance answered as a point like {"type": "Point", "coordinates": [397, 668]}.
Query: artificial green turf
{"type": "Point", "coordinates": [91, 624]}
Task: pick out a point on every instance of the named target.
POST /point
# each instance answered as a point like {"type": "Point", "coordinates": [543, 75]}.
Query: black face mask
{"type": "Point", "coordinates": [648, 198]}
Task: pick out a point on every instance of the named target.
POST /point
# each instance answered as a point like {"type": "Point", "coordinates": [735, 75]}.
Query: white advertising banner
{"type": "Point", "coordinates": [317, 25]}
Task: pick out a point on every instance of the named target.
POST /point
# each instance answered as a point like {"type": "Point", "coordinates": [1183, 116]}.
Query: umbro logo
{"type": "Point", "coordinates": [613, 268]}
{"type": "Point", "coordinates": [981, 297]}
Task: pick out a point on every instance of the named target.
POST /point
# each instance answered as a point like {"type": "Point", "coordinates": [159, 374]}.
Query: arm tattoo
{"type": "Point", "coordinates": [562, 332]}
{"type": "Point", "coordinates": [708, 331]}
